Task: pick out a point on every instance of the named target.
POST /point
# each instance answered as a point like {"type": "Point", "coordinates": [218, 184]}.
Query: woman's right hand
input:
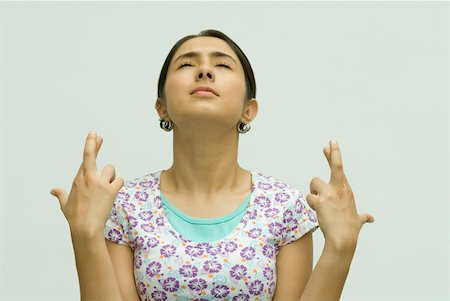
{"type": "Point", "coordinates": [89, 204]}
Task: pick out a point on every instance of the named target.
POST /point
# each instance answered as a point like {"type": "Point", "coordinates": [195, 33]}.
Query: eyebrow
{"type": "Point", "coordinates": [193, 54]}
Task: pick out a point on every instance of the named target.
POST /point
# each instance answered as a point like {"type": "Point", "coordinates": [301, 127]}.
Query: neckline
{"type": "Point", "coordinates": [242, 223]}
{"type": "Point", "coordinates": [205, 221]}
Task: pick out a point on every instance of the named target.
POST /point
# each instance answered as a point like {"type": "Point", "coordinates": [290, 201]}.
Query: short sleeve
{"type": "Point", "coordinates": [117, 225]}
{"type": "Point", "coordinates": [298, 219]}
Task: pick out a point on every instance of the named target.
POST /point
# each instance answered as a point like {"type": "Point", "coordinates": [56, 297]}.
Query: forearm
{"type": "Point", "coordinates": [96, 273]}
{"type": "Point", "coordinates": [328, 277]}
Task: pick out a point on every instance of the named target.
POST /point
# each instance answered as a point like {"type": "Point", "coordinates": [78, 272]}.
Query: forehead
{"type": "Point", "coordinates": [205, 45]}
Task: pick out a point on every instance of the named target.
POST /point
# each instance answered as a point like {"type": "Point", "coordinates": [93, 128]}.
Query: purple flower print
{"type": "Point", "coordinates": [167, 250]}
{"type": "Point", "coordinates": [132, 221]}
{"type": "Point", "coordinates": [114, 235]}
{"type": "Point", "coordinates": [213, 251]}
{"type": "Point", "coordinates": [138, 262]}
{"type": "Point", "coordinates": [123, 196]}
{"type": "Point", "coordinates": [262, 201]}
{"type": "Point", "coordinates": [130, 184]}
{"type": "Point", "coordinates": [252, 214]}
{"type": "Point", "coordinates": [256, 287]}
{"type": "Point", "coordinates": [170, 284]}
{"type": "Point", "coordinates": [128, 206]}
{"type": "Point", "coordinates": [268, 251]}
{"type": "Point", "coordinates": [254, 233]}
{"type": "Point", "coordinates": [268, 273]}
{"type": "Point", "coordinates": [279, 184]}
{"type": "Point", "coordinates": [141, 195]}
{"type": "Point", "coordinates": [238, 272]}
{"type": "Point", "coordinates": [220, 291]}
{"type": "Point", "coordinates": [264, 186]}
{"type": "Point", "coordinates": [146, 183]}
{"type": "Point", "coordinates": [197, 284]}
{"type": "Point", "coordinates": [146, 215]}
{"type": "Point", "coordinates": [287, 216]}
{"type": "Point", "coordinates": [312, 216]}
{"type": "Point", "coordinates": [147, 228]}
{"type": "Point", "coordinates": [157, 201]}
{"type": "Point", "coordinates": [271, 212]}
{"type": "Point", "coordinates": [282, 197]}
{"type": "Point", "coordinates": [194, 252]}
{"type": "Point", "coordinates": [248, 253]}
{"type": "Point", "coordinates": [160, 221]}
{"type": "Point", "coordinates": [141, 288]}
{"type": "Point", "coordinates": [241, 297]}
{"type": "Point", "coordinates": [153, 268]}
{"type": "Point", "coordinates": [206, 247]}
{"type": "Point", "coordinates": [159, 295]}
{"type": "Point", "coordinates": [188, 271]}
{"type": "Point", "coordinates": [299, 205]}
{"type": "Point", "coordinates": [152, 242]}
{"type": "Point", "coordinates": [229, 246]}
{"type": "Point", "coordinates": [212, 266]}
{"type": "Point", "coordinates": [275, 228]}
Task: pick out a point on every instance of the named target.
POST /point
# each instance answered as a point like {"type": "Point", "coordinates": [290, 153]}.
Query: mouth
{"type": "Point", "coordinates": [204, 91]}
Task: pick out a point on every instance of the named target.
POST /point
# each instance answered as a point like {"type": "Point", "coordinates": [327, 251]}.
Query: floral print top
{"type": "Point", "coordinates": [238, 267]}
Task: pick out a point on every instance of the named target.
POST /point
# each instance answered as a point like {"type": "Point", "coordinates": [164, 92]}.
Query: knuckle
{"type": "Point", "coordinates": [315, 180]}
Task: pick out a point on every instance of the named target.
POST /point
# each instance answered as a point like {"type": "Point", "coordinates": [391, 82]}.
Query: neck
{"type": "Point", "coordinates": [205, 164]}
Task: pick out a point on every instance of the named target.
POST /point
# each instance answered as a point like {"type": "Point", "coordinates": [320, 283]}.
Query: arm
{"type": "Point", "coordinates": [328, 277]}
{"type": "Point", "coordinates": [95, 269]}
{"type": "Point", "coordinates": [297, 281]}
{"type": "Point", "coordinates": [122, 257]}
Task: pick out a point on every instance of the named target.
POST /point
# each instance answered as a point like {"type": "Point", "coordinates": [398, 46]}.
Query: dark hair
{"type": "Point", "coordinates": [248, 71]}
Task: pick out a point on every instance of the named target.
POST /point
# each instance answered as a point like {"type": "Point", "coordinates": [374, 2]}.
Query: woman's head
{"type": "Point", "coordinates": [209, 59]}
{"type": "Point", "coordinates": [248, 71]}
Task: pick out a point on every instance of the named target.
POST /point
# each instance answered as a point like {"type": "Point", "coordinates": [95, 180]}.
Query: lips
{"type": "Point", "coordinates": [204, 88]}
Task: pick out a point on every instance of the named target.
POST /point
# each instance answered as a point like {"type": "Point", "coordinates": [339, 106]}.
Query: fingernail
{"type": "Point", "coordinates": [333, 142]}
{"type": "Point", "coordinates": [91, 132]}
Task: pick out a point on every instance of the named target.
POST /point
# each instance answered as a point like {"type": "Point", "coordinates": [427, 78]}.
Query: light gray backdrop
{"type": "Point", "coordinates": [373, 75]}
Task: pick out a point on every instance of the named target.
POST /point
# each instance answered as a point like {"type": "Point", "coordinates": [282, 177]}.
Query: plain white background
{"type": "Point", "coordinates": [373, 75]}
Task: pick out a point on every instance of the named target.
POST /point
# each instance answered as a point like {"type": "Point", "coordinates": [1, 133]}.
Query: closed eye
{"type": "Point", "coordinates": [190, 64]}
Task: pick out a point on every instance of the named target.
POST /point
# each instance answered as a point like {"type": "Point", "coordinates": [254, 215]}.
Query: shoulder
{"type": "Point", "coordinates": [138, 190]}
{"type": "Point", "coordinates": [279, 192]}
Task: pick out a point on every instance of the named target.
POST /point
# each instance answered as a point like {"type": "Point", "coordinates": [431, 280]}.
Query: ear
{"type": "Point", "coordinates": [161, 109]}
{"type": "Point", "coordinates": [250, 111]}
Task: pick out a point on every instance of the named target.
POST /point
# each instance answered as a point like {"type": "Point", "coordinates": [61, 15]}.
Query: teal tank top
{"type": "Point", "coordinates": [203, 229]}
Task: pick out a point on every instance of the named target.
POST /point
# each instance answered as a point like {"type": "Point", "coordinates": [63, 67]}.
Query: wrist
{"type": "Point", "coordinates": [341, 246]}
{"type": "Point", "coordinates": [86, 232]}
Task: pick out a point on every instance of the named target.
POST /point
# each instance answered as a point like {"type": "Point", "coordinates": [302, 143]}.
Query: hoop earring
{"type": "Point", "coordinates": [166, 125]}
{"type": "Point", "coordinates": [243, 127]}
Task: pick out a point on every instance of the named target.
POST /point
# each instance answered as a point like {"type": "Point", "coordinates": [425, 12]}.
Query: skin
{"type": "Point", "coordinates": [205, 173]}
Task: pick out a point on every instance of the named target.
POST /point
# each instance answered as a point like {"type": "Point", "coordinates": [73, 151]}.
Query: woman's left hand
{"type": "Point", "coordinates": [334, 204]}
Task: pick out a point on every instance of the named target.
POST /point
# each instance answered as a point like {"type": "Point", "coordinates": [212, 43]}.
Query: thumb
{"type": "Point", "coordinates": [366, 218]}
{"type": "Point", "coordinates": [61, 194]}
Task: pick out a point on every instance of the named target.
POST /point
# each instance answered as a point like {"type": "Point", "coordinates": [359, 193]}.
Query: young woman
{"type": "Point", "coordinates": [206, 228]}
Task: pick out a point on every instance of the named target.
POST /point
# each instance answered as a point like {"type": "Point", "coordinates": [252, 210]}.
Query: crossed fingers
{"type": "Point", "coordinates": [334, 158]}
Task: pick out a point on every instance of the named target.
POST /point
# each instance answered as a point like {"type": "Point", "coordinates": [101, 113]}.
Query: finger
{"type": "Point", "coordinates": [118, 183]}
{"type": "Point", "coordinates": [89, 154]}
{"type": "Point", "coordinates": [366, 218]}
{"type": "Point", "coordinates": [61, 195]}
{"type": "Point", "coordinates": [99, 141]}
{"type": "Point", "coordinates": [326, 151]}
{"type": "Point", "coordinates": [109, 173]}
{"type": "Point", "coordinates": [337, 169]}
{"type": "Point", "coordinates": [312, 200]}
{"type": "Point", "coordinates": [316, 186]}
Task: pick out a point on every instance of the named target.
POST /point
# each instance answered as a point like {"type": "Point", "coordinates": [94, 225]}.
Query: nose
{"type": "Point", "coordinates": [205, 72]}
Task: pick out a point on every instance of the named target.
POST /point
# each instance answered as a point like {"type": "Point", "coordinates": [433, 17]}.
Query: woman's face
{"type": "Point", "coordinates": [223, 73]}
